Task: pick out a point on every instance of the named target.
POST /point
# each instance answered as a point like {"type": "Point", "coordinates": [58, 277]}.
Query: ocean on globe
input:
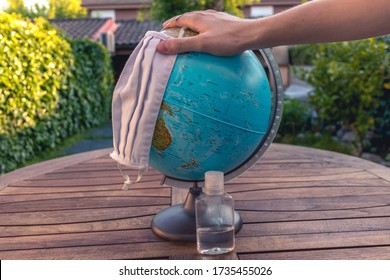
{"type": "Point", "coordinates": [214, 114]}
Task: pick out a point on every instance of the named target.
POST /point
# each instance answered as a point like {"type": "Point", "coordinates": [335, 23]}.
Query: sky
{"type": "Point", "coordinates": [28, 3]}
{"type": "Point", "coordinates": [32, 2]}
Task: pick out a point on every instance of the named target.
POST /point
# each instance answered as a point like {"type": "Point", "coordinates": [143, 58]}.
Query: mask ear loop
{"type": "Point", "coordinates": [170, 22]}
{"type": "Point", "coordinates": [127, 179]}
{"type": "Point", "coordinates": [181, 32]}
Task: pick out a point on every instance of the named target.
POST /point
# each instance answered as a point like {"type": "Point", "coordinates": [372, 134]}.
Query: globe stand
{"type": "Point", "coordinates": [177, 223]}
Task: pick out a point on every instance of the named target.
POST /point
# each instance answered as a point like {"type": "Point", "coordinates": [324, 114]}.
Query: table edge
{"type": "Point", "coordinates": [49, 166]}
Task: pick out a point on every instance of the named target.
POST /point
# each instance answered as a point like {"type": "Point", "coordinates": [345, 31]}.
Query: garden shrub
{"type": "Point", "coordinates": [34, 63]}
{"type": "Point", "coordinates": [296, 117]}
{"type": "Point", "coordinates": [50, 88]}
{"type": "Point", "coordinates": [348, 80]}
{"type": "Point", "coordinates": [380, 141]}
{"type": "Point", "coordinates": [301, 54]}
{"type": "Point", "coordinates": [90, 87]}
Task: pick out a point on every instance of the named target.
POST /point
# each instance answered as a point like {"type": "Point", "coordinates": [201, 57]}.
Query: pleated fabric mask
{"type": "Point", "coordinates": [136, 103]}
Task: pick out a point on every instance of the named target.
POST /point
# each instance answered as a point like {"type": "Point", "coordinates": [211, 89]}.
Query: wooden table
{"type": "Point", "coordinates": [296, 203]}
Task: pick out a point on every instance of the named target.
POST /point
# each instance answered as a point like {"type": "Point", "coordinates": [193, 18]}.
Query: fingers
{"type": "Point", "coordinates": [179, 45]}
{"type": "Point", "coordinates": [175, 46]}
{"type": "Point", "coordinates": [208, 24]}
{"type": "Point", "coordinates": [172, 22]}
{"type": "Point", "coordinates": [189, 19]}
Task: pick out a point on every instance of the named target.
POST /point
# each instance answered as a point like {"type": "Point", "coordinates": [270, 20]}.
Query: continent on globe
{"type": "Point", "coordinates": [162, 138]}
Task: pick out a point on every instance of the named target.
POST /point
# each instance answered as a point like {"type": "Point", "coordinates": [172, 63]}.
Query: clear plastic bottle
{"type": "Point", "coordinates": [214, 217]}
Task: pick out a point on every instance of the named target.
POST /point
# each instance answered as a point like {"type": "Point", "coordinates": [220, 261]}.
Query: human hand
{"type": "Point", "coordinates": [219, 34]}
{"type": "Point", "coordinates": [223, 34]}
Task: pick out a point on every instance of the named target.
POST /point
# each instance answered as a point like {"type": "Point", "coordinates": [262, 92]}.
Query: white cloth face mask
{"type": "Point", "coordinates": [136, 103]}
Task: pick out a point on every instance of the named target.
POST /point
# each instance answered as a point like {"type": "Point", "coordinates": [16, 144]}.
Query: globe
{"type": "Point", "coordinates": [214, 114]}
{"type": "Point", "coordinates": [217, 113]}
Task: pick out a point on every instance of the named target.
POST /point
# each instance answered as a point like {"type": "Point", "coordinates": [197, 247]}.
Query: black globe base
{"type": "Point", "coordinates": [177, 223]}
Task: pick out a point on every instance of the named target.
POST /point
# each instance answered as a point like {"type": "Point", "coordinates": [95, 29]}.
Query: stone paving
{"type": "Point", "coordinates": [99, 138]}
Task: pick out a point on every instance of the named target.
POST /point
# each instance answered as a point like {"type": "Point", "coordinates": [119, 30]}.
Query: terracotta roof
{"type": "Point", "coordinates": [130, 32]}
{"type": "Point", "coordinates": [85, 27]}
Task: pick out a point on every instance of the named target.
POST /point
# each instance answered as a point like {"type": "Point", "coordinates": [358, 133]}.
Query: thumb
{"type": "Point", "coordinates": [175, 46]}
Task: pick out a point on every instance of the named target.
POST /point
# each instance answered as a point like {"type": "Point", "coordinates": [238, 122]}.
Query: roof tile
{"type": "Point", "coordinates": [130, 32]}
{"type": "Point", "coordinates": [79, 28]}
{"type": "Point", "coordinates": [127, 35]}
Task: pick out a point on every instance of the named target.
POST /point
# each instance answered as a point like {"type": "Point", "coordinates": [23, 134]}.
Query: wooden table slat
{"type": "Point", "coordinates": [80, 216]}
{"type": "Point", "coordinates": [77, 239]}
{"type": "Point", "coordinates": [141, 222]}
{"type": "Point", "coordinates": [20, 191]}
{"type": "Point", "coordinates": [233, 187]}
{"type": "Point", "coordinates": [81, 203]}
{"type": "Point", "coordinates": [319, 226]}
{"type": "Point", "coordinates": [310, 192]}
{"type": "Point", "coordinates": [324, 241]}
{"type": "Point", "coordinates": [161, 192]}
{"type": "Point", "coordinates": [362, 253]}
{"type": "Point", "coordinates": [112, 251]}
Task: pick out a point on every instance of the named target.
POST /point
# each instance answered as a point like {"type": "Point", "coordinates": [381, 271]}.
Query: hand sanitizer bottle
{"type": "Point", "coordinates": [214, 217]}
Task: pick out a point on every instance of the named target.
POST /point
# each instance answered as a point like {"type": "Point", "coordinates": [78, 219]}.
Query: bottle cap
{"type": "Point", "coordinates": [214, 182]}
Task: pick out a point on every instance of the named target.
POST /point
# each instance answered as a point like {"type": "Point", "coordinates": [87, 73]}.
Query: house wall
{"type": "Point", "coordinates": [115, 14]}
{"type": "Point", "coordinates": [126, 14]}
{"type": "Point", "coordinates": [277, 6]}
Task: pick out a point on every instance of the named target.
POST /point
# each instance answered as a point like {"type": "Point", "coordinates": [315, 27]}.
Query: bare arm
{"type": "Point", "coordinates": [314, 22]}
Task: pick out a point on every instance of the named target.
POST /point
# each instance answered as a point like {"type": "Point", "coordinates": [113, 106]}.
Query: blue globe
{"type": "Point", "coordinates": [214, 115]}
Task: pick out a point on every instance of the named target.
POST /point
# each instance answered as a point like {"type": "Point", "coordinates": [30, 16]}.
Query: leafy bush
{"type": "Point", "coordinates": [348, 80]}
{"type": "Point", "coordinates": [90, 89]}
{"type": "Point", "coordinates": [302, 54]}
{"type": "Point", "coordinates": [162, 10]}
{"type": "Point", "coordinates": [323, 141]}
{"type": "Point", "coordinates": [34, 64]}
{"type": "Point", "coordinates": [50, 88]}
{"type": "Point", "coordinates": [380, 141]}
{"type": "Point", "coordinates": [296, 117]}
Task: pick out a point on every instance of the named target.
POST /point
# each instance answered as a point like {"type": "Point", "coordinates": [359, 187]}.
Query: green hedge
{"type": "Point", "coordinates": [302, 54]}
{"type": "Point", "coordinates": [349, 81]}
{"type": "Point", "coordinates": [296, 117]}
{"type": "Point", "coordinates": [380, 141]}
{"type": "Point", "coordinates": [50, 88]}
